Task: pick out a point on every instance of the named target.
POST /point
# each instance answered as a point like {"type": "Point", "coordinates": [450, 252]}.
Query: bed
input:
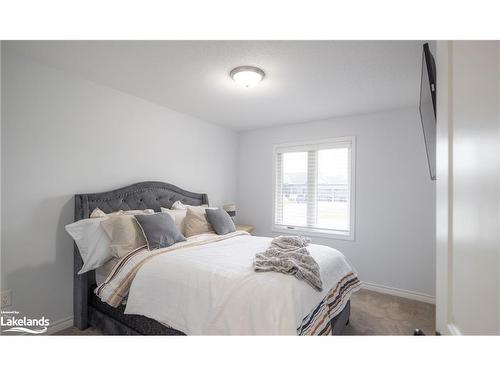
{"type": "Point", "coordinates": [90, 311]}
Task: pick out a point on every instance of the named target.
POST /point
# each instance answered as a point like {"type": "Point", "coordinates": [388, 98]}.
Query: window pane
{"type": "Point", "coordinates": [333, 189]}
{"type": "Point", "coordinates": [295, 188]}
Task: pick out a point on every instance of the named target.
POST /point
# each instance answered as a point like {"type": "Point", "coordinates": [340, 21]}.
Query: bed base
{"type": "Point", "coordinates": [107, 324]}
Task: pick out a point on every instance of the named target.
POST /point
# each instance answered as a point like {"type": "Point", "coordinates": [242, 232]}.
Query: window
{"type": "Point", "coordinates": [314, 188]}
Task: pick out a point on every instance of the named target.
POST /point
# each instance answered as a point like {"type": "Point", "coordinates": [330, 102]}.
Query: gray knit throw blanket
{"type": "Point", "coordinates": [288, 254]}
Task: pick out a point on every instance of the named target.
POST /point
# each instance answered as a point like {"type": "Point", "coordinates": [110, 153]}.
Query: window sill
{"type": "Point", "coordinates": [315, 233]}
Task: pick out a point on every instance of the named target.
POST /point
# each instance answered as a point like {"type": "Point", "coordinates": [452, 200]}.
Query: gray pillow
{"type": "Point", "coordinates": [220, 221]}
{"type": "Point", "coordinates": [159, 230]}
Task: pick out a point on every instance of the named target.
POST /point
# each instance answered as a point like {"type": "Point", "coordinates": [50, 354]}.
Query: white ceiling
{"type": "Point", "coordinates": [305, 80]}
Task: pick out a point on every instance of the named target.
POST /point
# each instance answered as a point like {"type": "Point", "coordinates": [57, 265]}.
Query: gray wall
{"type": "Point", "coordinates": [62, 135]}
{"type": "Point", "coordinates": [395, 240]}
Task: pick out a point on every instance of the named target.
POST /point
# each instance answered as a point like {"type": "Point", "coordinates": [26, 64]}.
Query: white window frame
{"type": "Point", "coordinates": [310, 146]}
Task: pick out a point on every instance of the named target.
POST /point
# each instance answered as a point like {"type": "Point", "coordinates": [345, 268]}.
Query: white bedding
{"type": "Point", "coordinates": [212, 289]}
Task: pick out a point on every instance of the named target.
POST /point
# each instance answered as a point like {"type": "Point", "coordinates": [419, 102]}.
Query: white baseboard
{"type": "Point", "coordinates": [59, 325]}
{"type": "Point", "coordinates": [399, 292]}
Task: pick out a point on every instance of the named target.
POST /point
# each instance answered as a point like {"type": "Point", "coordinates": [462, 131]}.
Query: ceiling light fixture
{"type": "Point", "coordinates": [247, 76]}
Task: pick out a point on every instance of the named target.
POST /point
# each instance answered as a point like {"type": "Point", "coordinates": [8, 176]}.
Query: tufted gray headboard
{"type": "Point", "coordinates": [142, 195]}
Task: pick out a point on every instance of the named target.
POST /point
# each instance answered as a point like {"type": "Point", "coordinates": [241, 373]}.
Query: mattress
{"type": "Point", "coordinates": [208, 285]}
{"type": "Point", "coordinates": [212, 289]}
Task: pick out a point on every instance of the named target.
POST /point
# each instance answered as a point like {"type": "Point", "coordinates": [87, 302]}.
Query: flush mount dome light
{"type": "Point", "coordinates": [247, 76]}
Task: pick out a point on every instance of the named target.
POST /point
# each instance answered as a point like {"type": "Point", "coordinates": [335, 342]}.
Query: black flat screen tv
{"type": "Point", "coordinates": [427, 107]}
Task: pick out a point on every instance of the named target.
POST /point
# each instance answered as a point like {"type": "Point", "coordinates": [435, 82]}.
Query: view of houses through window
{"type": "Point", "coordinates": [313, 188]}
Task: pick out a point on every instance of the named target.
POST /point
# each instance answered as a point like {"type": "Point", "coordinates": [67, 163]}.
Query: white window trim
{"type": "Point", "coordinates": [318, 145]}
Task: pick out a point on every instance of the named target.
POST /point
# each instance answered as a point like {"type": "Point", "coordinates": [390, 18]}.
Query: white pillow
{"type": "Point", "coordinates": [178, 205]}
{"type": "Point", "coordinates": [100, 213]}
{"type": "Point", "coordinates": [92, 241]}
{"type": "Point", "coordinates": [178, 215]}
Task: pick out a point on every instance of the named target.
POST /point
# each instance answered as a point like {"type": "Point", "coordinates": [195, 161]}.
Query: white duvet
{"type": "Point", "coordinates": [212, 289]}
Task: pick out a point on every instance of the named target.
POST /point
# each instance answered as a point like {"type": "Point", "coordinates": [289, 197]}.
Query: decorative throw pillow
{"type": "Point", "coordinates": [196, 221]}
{"type": "Point", "coordinates": [178, 215]}
{"type": "Point", "coordinates": [93, 243]}
{"type": "Point", "coordinates": [220, 221]}
{"type": "Point", "coordinates": [159, 230]}
{"type": "Point", "coordinates": [178, 212]}
{"type": "Point", "coordinates": [100, 213]}
{"type": "Point", "coordinates": [124, 233]}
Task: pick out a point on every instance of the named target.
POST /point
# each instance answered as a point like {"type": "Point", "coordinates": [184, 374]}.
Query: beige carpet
{"type": "Point", "coordinates": [382, 314]}
{"type": "Point", "coordinates": [371, 314]}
